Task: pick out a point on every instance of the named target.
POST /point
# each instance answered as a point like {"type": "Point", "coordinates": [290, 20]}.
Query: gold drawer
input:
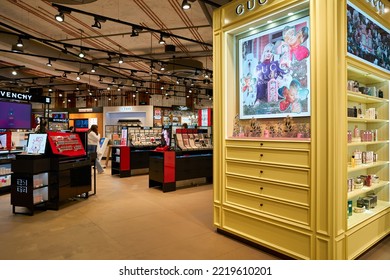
{"type": "Point", "coordinates": [282, 174]}
{"type": "Point", "coordinates": [270, 155]}
{"type": "Point", "coordinates": [283, 240]}
{"type": "Point", "coordinates": [266, 189]}
{"type": "Point", "coordinates": [276, 144]}
{"type": "Point", "coordinates": [274, 208]}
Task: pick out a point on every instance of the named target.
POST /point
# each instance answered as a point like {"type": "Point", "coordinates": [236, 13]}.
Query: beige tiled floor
{"type": "Point", "coordinates": [127, 220]}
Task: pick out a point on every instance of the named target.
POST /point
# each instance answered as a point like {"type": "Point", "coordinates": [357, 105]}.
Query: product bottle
{"type": "Point", "coordinates": [360, 112]}
{"type": "Point", "coordinates": [356, 132]}
{"type": "Point", "coordinates": [349, 207]}
{"type": "Point", "coordinates": [353, 161]}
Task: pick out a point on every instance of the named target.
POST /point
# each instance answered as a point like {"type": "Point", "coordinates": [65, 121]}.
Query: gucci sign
{"type": "Point", "coordinates": [249, 6]}
{"type": "Point", "coordinates": [378, 5]}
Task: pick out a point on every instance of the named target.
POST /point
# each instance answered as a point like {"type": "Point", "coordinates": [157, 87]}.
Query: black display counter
{"type": "Point", "coordinates": [168, 167]}
{"type": "Point", "coordinates": [41, 181]}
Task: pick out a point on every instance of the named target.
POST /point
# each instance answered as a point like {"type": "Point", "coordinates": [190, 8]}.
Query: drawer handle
{"type": "Point", "coordinates": [261, 155]}
{"type": "Point", "coordinates": [261, 204]}
{"type": "Point", "coordinates": [261, 171]}
{"type": "Point", "coordinates": [261, 144]}
{"type": "Point", "coordinates": [261, 188]}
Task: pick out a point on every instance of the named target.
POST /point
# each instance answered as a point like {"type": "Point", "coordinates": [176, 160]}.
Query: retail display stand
{"type": "Point", "coordinates": [162, 170]}
{"type": "Point", "coordinates": [168, 167]}
{"type": "Point", "coordinates": [30, 182]}
{"type": "Point", "coordinates": [44, 180]}
{"type": "Point", "coordinates": [120, 163]}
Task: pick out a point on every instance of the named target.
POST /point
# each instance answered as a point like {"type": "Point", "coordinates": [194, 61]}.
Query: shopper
{"type": "Point", "coordinates": [93, 142]}
{"type": "Point", "coordinates": [41, 127]}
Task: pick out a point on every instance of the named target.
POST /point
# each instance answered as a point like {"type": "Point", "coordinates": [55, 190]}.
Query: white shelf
{"type": "Point", "coordinates": [363, 98]}
{"type": "Point", "coordinates": [364, 190]}
{"type": "Point", "coordinates": [366, 166]}
{"type": "Point", "coordinates": [352, 144]}
{"type": "Point", "coordinates": [358, 218]}
{"type": "Point", "coordinates": [363, 120]}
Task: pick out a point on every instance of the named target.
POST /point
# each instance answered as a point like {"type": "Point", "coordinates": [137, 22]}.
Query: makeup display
{"type": "Point", "coordinates": [192, 140]}
{"type": "Point", "coordinates": [144, 137]}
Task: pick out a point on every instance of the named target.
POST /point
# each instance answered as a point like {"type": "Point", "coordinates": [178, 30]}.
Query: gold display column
{"type": "Point", "coordinates": [328, 125]}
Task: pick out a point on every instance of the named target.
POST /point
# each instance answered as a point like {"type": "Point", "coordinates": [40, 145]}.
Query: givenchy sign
{"type": "Point", "coordinates": [249, 6]}
{"type": "Point", "coordinates": [15, 95]}
{"type": "Point", "coordinates": [24, 96]}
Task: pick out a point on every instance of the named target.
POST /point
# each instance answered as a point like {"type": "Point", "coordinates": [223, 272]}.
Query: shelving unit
{"type": "Point", "coordinates": [30, 183]}
{"type": "Point", "coordinates": [366, 223]}
{"type": "Point", "coordinates": [292, 196]}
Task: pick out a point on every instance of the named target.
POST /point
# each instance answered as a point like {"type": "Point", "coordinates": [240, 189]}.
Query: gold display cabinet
{"type": "Point", "coordinates": [292, 194]}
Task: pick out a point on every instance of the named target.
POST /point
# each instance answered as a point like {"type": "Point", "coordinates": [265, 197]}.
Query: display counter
{"type": "Point", "coordinates": [167, 168]}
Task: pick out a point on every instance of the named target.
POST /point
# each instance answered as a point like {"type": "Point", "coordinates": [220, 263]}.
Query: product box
{"type": "Point", "coordinates": [368, 202]}
{"type": "Point", "coordinates": [374, 200]}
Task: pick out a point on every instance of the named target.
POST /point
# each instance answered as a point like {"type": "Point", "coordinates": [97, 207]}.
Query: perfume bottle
{"type": "Point", "coordinates": [356, 132]}
{"type": "Point", "coordinates": [272, 90]}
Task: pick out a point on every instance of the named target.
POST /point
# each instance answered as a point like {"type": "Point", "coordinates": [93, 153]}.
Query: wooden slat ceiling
{"type": "Point", "coordinates": [44, 38]}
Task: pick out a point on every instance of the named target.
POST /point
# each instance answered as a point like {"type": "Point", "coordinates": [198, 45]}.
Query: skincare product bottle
{"type": "Point", "coordinates": [349, 207]}
{"type": "Point", "coordinates": [356, 132]}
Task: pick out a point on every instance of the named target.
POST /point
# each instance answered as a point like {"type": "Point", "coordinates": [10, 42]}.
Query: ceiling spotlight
{"type": "Point", "coordinates": [162, 67]}
{"type": "Point", "coordinates": [185, 5]}
{"type": "Point", "coordinates": [50, 89]}
{"type": "Point", "coordinates": [97, 23]}
{"type": "Point", "coordinates": [158, 78]}
{"type": "Point", "coordinates": [81, 54]}
{"type": "Point", "coordinates": [120, 60]}
{"type": "Point", "coordinates": [60, 17]}
{"type": "Point", "coordinates": [93, 70]}
{"type": "Point", "coordinates": [64, 75]}
{"type": "Point", "coordinates": [100, 79]}
{"type": "Point", "coordinates": [49, 63]}
{"type": "Point", "coordinates": [206, 75]}
{"type": "Point", "coordinates": [78, 77]}
{"type": "Point", "coordinates": [14, 72]}
{"type": "Point", "coordinates": [19, 43]}
{"type": "Point", "coordinates": [17, 49]}
{"type": "Point", "coordinates": [161, 41]}
{"type": "Point", "coordinates": [134, 32]}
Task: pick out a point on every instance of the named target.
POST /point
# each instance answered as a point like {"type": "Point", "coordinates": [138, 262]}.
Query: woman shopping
{"type": "Point", "coordinates": [93, 142]}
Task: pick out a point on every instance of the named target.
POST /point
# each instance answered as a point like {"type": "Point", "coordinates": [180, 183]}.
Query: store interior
{"type": "Point", "coordinates": [179, 147]}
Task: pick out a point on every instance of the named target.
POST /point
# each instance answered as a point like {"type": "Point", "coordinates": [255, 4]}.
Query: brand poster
{"type": "Point", "coordinates": [367, 39]}
{"type": "Point", "coordinates": [274, 72]}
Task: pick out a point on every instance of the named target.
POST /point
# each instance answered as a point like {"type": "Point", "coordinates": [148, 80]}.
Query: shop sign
{"type": "Point", "coordinates": [24, 96]}
{"type": "Point", "coordinates": [249, 6]}
{"type": "Point", "coordinates": [58, 120]}
{"type": "Point", "coordinates": [378, 5]}
{"type": "Point", "coordinates": [85, 110]}
{"type": "Point", "coordinates": [126, 109]}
